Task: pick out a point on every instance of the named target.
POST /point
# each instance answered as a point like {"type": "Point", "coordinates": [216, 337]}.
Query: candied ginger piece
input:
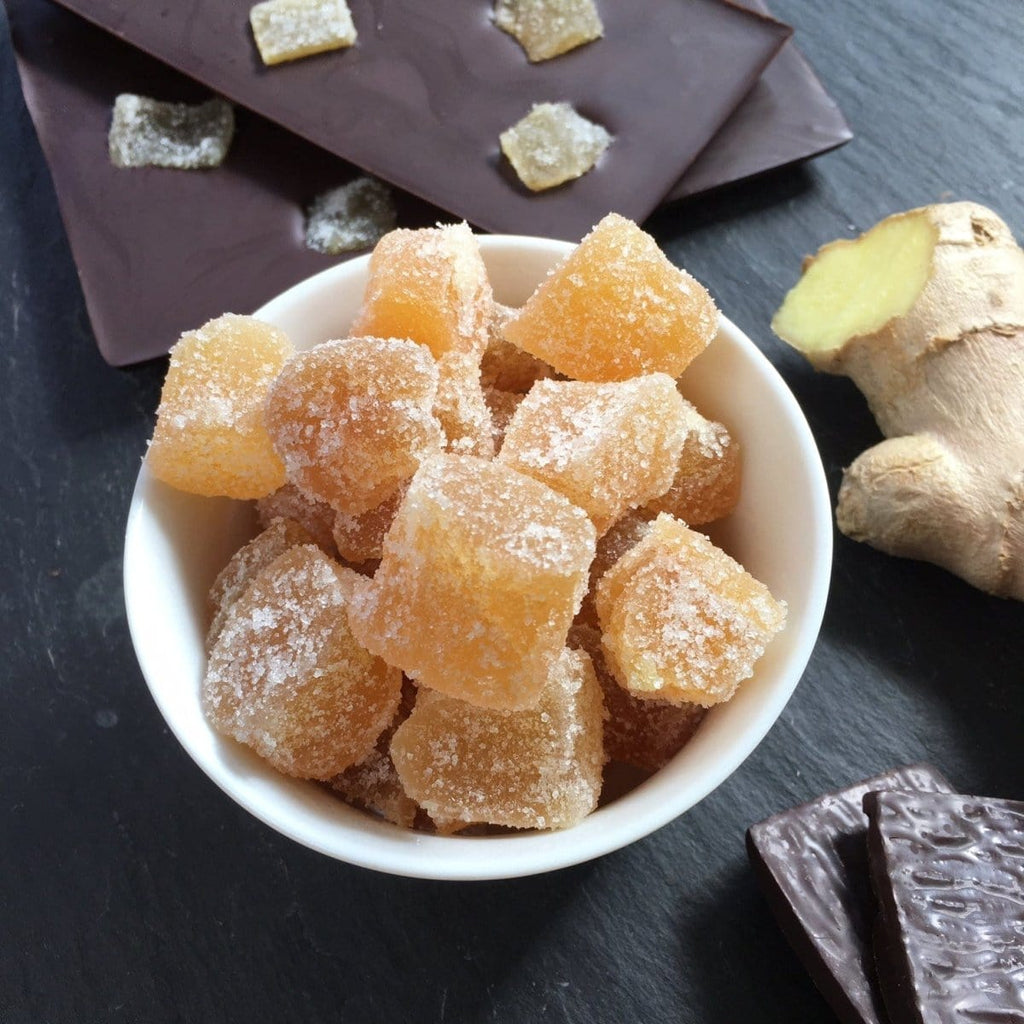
{"type": "Point", "coordinates": [607, 447]}
{"type": "Point", "coordinates": [482, 572]}
{"type": "Point", "coordinates": [547, 28]}
{"type": "Point", "coordinates": [352, 419]}
{"type": "Point", "coordinates": [553, 144]}
{"type": "Point", "coordinates": [353, 216]}
{"type": "Point", "coordinates": [505, 366]}
{"type": "Point", "coordinates": [361, 538]}
{"type": "Point", "coordinates": [289, 29]}
{"type": "Point", "coordinates": [288, 502]}
{"type": "Point", "coordinates": [707, 482]}
{"type": "Point", "coordinates": [624, 534]}
{"type": "Point", "coordinates": [680, 620]}
{"type": "Point", "coordinates": [616, 308]}
{"type": "Point", "coordinates": [245, 565]}
{"type": "Point", "coordinates": [646, 734]}
{"type": "Point", "coordinates": [503, 405]}
{"type": "Point", "coordinates": [535, 768]}
{"type": "Point", "coordinates": [210, 437]}
{"type": "Point", "coordinates": [150, 133]}
{"type": "Point", "coordinates": [461, 406]}
{"type": "Point", "coordinates": [287, 678]}
{"type": "Point", "coordinates": [429, 285]}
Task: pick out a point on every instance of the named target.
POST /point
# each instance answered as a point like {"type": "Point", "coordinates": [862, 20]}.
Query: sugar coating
{"type": "Point", "coordinates": [616, 308]}
{"type": "Point", "coordinates": [461, 407]}
{"type": "Point", "coordinates": [682, 621]}
{"type": "Point", "coordinates": [482, 572]}
{"type": "Point", "coordinates": [646, 734]}
{"type": "Point", "coordinates": [553, 144]}
{"type": "Point", "coordinates": [150, 133]}
{"type": "Point", "coordinates": [288, 502]}
{"type": "Point", "coordinates": [288, 29]}
{"type": "Point", "coordinates": [502, 406]}
{"type": "Point", "coordinates": [607, 447]}
{"type": "Point", "coordinates": [210, 437]}
{"type": "Point", "coordinates": [245, 565]}
{"type": "Point", "coordinates": [708, 475]}
{"type": "Point", "coordinates": [287, 678]}
{"type": "Point", "coordinates": [505, 366]}
{"type": "Point", "coordinates": [353, 216]}
{"type": "Point", "coordinates": [535, 768]}
{"type": "Point", "coordinates": [623, 535]}
{"type": "Point", "coordinates": [547, 28]}
{"type": "Point", "coordinates": [429, 285]}
{"type": "Point", "coordinates": [361, 538]}
{"type": "Point", "coordinates": [352, 418]}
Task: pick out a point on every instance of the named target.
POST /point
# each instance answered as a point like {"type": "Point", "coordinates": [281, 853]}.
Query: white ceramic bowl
{"type": "Point", "coordinates": [177, 543]}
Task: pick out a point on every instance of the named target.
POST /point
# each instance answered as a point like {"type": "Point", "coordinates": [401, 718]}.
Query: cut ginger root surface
{"type": "Point", "coordinates": [925, 313]}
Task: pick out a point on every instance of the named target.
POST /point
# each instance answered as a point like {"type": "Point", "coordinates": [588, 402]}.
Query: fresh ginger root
{"type": "Point", "coordinates": [925, 313]}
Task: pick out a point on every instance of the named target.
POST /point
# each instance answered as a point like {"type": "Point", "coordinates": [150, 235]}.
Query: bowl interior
{"type": "Point", "coordinates": [781, 531]}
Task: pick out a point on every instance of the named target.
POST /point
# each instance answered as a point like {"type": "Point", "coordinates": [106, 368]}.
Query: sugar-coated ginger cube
{"type": "Point", "coordinates": [607, 447]}
{"type": "Point", "coordinates": [288, 502]}
{"type": "Point", "coordinates": [624, 534]}
{"type": "Point", "coordinates": [502, 405]}
{"type": "Point", "coordinates": [245, 565]}
{"type": "Point", "coordinates": [682, 621]}
{"type": "Point", "coordinates": [289, 29]}
{"type": "Point", "coordinates": [505, 366]}
{"type": "Point", "coordinates": [708, 475]}
{"type": "Point", "coordinates": [534, 768]}
{"type": "Point", "coordinates": [352, 216]}
{"type": "Point", "coordinates": [352, 418]}
{"type": "Point", "coordinates": [361, 538]}
{"type": "Point", "coordinates": [151, 133]}
{"type": "Point", "coordinates": [483, 570]}
{"type": "Point", "coordinates": [210, 437]}
{"type": "Point", "coordinates": [429, 285]}
{"type": "Point", "coordinates": [461, 407]}
{"type": "Point", "coordinates": [616, 308]}
{"type": "Point", "coordinates": [547, 28]}
{"type": "Point", "coordinates": [646, 734]}
{"type": "Point", "coordinates": [553, 144]}
{"type": "Point", "coordinates": [287, 678]}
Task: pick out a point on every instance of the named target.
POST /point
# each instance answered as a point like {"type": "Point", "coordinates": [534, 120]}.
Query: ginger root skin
{"type": "Point", "coordinates": [941, 365]}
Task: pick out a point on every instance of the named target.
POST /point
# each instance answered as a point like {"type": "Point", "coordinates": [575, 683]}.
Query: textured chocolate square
{"type": "Point", "coordinates": [811, 863]}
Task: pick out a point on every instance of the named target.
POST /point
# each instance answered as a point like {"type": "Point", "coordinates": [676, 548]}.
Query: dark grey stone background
{"type": "Point", "coordinates": [131, 889]}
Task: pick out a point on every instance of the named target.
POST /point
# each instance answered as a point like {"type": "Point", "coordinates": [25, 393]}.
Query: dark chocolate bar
{"type": "Point", "coordinates": [811, 863]}
{"type": "Point", "coordinates": [948, 872]}
{"type": "Point", "coordinates": [422, 97]}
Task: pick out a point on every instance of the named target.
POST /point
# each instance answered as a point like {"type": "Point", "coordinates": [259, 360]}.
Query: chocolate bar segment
{"type": "Point", "coordinates": [948, 871]}
{"type": "Point", "coordinates": [811, 863]}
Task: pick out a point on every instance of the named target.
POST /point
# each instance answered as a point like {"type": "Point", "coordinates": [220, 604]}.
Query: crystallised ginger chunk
{"type": "Point", "coordinates": [461, 407]}
{"type": "Point", "coordinates": [353, 216]}
{"type": "Point", "coordinates": [616, 308]}
{"type": "Point", "coordinates": [289, 29]}
{"type": "Point", "coordinates": [352, 418]}
{"type": "Point", "coordinates": [707, 481]}
{"type": "Point", "coordinates": [482, 572]}
{"type": "Point", "coordinates": [210, 438]}
{"type": "Point", "coordinates": [151, 133]}
{"type": "Point", "coordinates": [361, 538]}
{"type": "Point", "coordinates": [429, 285]}
{"type": "Point", "coordinates": [680, 620]}
{"type": "Point", "coordinates": [624, 534]}
{"type": "Point", "coordinates": [535, 768]}
{"type": "Point", "coordinates": [607, 447]}
{"type": "Point", "coordinates": [547, 28]}
{"type": "Point", "coordinates": [287, 678]}
{"type": "Point", "coordinates": [288, 502]}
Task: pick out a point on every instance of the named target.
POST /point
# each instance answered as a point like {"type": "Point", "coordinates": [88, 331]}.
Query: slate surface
{"type": "Point", "coordinates": [133, 890]}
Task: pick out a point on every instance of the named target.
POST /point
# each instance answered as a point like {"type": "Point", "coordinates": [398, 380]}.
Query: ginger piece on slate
{"type": "Point", "coordinates": [553, 144]}
{"type": "Point", "coordinates": [483, 570]}
{"type": "Point", "coordinates": [548, 28]}
{"type": "Point", "coordinates": [682, 621]}
{"type": "Point", "coordinates": [534, 768]}
{"type": "Point", "coordinates": [150, 133]}
{"type": "Point", "coordinates": [607, 447]}
{"type": "Point", "coordinates": [289, 29]}
{"type": "Point", "coordinates": [287, 678]}
{"type": "Point", "coordinates": [616, 308]}
{"type": "Point", "coordinates": [288, 502]}
{"type": "Point", "coordinates": [210, 437]}
{"type": "Point", "coordinates": [352, 419]}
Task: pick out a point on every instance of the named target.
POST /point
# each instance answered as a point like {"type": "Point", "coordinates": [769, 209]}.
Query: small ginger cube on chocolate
{"type": "Point", "coordinates": [607, 447]}
{"type": "Point", "coordinates": [547, 28]}
{"type": "Point", "coordinates": [534, 768]}
{"type": "Point", "coordinates": [210, 438]}
{"type": "Point", "coordinates": [616, 308]}
{"type": "Point", "coordinates": [482, 572]}
{"type": "Point", "coordinates": [151, 133]}
{"type": "Point", "coordinates": [553, 144]}
{"type": "Point", "coordinates": [681, 620]}
{"type": "Point", "coordinates": [289, 29]}
{"type": "Point", "coordinates": [353, 216]}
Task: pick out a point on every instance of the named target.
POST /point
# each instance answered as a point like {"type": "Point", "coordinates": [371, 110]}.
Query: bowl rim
{"type": "Point", "coordinates": [384, 847]}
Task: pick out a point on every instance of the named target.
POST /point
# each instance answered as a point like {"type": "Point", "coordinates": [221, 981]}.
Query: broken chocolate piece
{"type": "Point", "coordinates": [811, 863]}
{"type": "Point", "coordinates": [948, 872]}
